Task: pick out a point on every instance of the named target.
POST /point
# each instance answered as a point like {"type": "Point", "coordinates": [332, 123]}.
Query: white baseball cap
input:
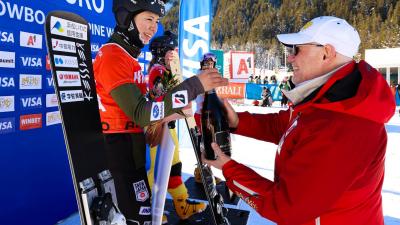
{"type": "Point", "coordinates": [326, 30]}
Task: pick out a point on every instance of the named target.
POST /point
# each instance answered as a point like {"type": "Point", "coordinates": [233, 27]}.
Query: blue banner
{"type": "Point", "coordinates": [194, 34]}
{"type": "Point", "coordinates": [36, 181]}
{"type": "Point", "coordinates": [397, 97]}
{"type": "Point", "coordinates": [253, 91]}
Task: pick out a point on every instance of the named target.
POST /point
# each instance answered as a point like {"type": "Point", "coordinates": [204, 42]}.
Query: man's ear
{"type": "Point", "coordinates": [329, 52]}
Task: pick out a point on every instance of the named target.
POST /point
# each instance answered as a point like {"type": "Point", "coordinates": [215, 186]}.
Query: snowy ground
{"type": "Point", "coordinates": [260, 156]}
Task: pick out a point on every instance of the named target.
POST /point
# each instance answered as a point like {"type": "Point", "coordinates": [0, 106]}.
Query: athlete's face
{"type": "Point", "coordinates": [147, 24]}
{"type": "Point", "coordinates": [208, 65]}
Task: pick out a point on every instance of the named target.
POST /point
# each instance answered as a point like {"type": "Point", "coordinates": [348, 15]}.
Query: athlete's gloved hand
{"type": "Point", "coordinates": [154, 130]}
{"type": "Point", "coordinates": [154, 133]}
{"type": "Point", "coordinates": [211, 79]}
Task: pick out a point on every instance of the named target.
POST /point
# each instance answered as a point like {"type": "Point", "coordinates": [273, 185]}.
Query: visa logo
{"type": "Point", "coordinates": [31, 61]}
{"type": "Point", "coordinates": [6, 37]}
{"type": "Point", "coordinates": [95, 47]}
{"type": "Point", "coordinates": [50, 82]}
{"type": "Point", "coordinates": [7, 125]}
{"type": "Point", "coordinates": [7, 82]}
{"type": "Point", "coordinates": [29, 102]}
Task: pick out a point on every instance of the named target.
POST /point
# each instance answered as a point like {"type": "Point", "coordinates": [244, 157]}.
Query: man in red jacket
{"type": "Point", "coordinates": [329, 165]}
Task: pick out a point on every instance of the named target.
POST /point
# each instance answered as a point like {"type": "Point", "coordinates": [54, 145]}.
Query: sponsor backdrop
{"type": "Point", "coordinates": [232, 91]}
{"type": "Point", "coordinates": [36, 181]}
{"type": "Point", "coordinates": [248, 91]}
{"type": "Point", "coordinates": [194, 34]}
{"type": "Point", "coordinates": [220, 60]}
{"type": "Point", "coordinates": [194, 41]}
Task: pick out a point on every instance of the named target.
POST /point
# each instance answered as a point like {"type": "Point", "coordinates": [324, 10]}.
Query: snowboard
{"type": "Point", "coordinates": [215, 201]}
{"type": "Point", "coordinates": [68, 45]}
{"type": "Point", "coordinates": [196, 191]}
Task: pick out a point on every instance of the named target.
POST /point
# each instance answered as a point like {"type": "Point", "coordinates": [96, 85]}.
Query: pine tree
{"type": "Point", "coordinates": [254, 24]}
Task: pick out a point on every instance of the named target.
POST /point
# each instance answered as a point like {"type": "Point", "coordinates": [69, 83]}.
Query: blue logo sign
{"type": "Point", "coordinates": [156, 111]}
{"type": "Point", "coordinates": [49, 82]}
{"type": "Point", "coordinates": [7, 82]}
{"type": "Point", "coordinates": [58, 26]}
{"type": "Point", "coordinates": [7, 125]}
{"type": "Point", "coordinates": [30, 61]}
{"type": "Point", "coordinates": [59, 61]}
{"type": "Point", "coordinates": [194, 34]}
{"type": "Point", "coordinates": [31, 102]}
{"type": "Point", "coordinates": [7, 37]}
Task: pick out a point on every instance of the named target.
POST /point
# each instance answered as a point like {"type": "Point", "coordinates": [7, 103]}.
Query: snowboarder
{"type": "Point", "coordinates": [161, 80]}
{"type": "Point", "coordinates": [124, 109]}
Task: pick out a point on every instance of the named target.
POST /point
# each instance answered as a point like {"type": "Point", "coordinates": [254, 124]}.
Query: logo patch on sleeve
{"type": "Point", "coordinates": [141, 192]}
{"type": "Point", "coordinates": [144, 210]}
{"type": "Point", "coordinates": [157, 111]}
{"type": "Point", "coordinates": [180, 99]}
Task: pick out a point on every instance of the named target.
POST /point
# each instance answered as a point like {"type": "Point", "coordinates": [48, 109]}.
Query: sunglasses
{"type": "Point", "coordinates": [294, 49]}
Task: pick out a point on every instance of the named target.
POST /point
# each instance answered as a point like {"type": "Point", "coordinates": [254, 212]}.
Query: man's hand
{"type": "Point", "coordinates": [211, 79]}
{"type": "Point", "coordinates": [221, 157]}
{"type": "Point", "coordinates": [233, 118]}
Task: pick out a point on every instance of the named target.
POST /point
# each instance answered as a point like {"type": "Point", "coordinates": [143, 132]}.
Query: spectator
{"type": "Point", "coordinates": [393, 87]}
{"type": "Point", "coordinates": [265, 80]}
{"type": "Point", "coordinates": [251, 80]}
{"type": "Point", "coordinates": [284, 86]}
{"type": "Point", "coordinates": [273, 79]}
{"type": "Point", "coordinates": [266, 97]}
{"type": "Point", "coordinates": [258, 80]}
{"type": "Point", "coordinates": [161, 80]}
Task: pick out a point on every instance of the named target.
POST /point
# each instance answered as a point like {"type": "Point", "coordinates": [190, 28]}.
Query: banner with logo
{"type": "Point", "coordinates": [194, 41]}
{"type": "Point", "coordinates": [220, 60]}
{"type": "Point", "coordinates": [194, 34]}
{"type": "Point", "coordinates": [232, 91]}
{"type": "Point", "coordinates": [253, 91]}
{"type": "Point", "coordinates": [36, 181]}
{"type": "Point", "coordinates": [242, 64]}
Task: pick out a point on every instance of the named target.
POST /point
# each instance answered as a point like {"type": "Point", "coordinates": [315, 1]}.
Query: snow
{"type": "Point", "coordinates": [260, 157]}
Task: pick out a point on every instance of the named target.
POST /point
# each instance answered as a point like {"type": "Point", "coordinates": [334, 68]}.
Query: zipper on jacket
{"type": "Point", "coordinates": [318, 221]}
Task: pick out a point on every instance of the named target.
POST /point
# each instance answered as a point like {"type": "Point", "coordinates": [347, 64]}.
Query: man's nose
{"type": "Point", "coordinates": [290, 58]}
